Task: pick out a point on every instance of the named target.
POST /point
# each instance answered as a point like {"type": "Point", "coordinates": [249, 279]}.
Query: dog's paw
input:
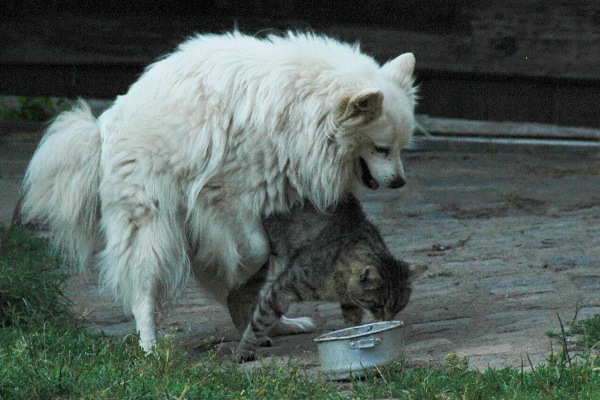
{"type": "Point", "coordinates": [242, 355]}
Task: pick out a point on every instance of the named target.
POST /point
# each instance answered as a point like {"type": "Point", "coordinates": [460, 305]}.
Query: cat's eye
{"type": "Point", "coordinates": [383, 150]}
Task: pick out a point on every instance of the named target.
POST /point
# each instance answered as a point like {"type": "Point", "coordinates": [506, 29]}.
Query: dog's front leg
{"type": "Point", "coordinates": [257, 250]}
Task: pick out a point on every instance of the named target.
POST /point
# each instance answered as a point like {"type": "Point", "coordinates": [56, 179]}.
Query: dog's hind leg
{"type": "Point", "coordinates": [143, 310]}
{"type": "Point", "coordinates": [145, 260]}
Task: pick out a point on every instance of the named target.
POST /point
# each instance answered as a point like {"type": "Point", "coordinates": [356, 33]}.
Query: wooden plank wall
{"type": "Point", "coordinates": [525, 60]}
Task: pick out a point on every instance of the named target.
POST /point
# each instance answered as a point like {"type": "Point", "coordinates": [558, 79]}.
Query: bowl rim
{"type": "Point", "coordinates": [372, 328]}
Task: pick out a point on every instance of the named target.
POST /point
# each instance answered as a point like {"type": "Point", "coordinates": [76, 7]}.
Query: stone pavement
{"type": "Point", "coordinates": [510, 234]}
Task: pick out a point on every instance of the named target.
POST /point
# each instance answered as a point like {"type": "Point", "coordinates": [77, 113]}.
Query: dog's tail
{"type": "Point", "coordinates": [61, 184]}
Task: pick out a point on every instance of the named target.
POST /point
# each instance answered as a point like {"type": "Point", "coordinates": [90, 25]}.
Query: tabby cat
{"type": "Point", "coordinates": [338, 256]}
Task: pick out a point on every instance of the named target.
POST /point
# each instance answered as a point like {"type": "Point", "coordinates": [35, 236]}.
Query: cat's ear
{"type": "Point", "coordinates": [369, 273]}
{"type": "Point", "coordinates": [416, 271]}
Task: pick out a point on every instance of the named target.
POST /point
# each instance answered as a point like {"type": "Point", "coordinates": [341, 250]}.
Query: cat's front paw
{"type": "Point", "coordinates": [243, 355]}
{"type": "Point", "coordinates": [291, 326]}
{"type": "Point", "coordinates": [265, 342]}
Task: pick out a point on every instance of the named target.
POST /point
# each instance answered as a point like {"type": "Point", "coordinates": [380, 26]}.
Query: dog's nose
{"type": "Point", "coordinates": [398, 182]}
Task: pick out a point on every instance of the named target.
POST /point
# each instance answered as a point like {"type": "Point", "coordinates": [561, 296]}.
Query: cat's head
{"type": "Point", "coordinates": [382, 287]}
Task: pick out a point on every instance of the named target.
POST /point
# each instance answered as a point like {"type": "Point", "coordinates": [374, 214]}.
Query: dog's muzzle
{"type": "Point", "coordinates": [398, 182]}
{"type": "Point", "coordinates": [369, 181]}
{"type": "Point", "coordinates": [366, 177]}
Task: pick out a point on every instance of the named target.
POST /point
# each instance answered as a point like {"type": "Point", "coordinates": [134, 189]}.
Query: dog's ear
{"type": "Point", "coordinates": [400, 70]}
{"type": "Point", "coordinates": [367, 101]}
{"type": "Point", "coordinates": [361, 108]}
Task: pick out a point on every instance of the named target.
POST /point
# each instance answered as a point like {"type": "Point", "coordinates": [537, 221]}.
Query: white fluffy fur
{"type": "Point", "coordinates": [177, 174]}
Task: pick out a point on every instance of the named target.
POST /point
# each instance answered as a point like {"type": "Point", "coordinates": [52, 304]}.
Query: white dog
{"type": "Point", "coordinates": [177, 174]}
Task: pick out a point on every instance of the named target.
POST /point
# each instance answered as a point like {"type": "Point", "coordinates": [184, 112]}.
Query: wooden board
{"type": "Point", "coordinates": [549, 38]}
{"type": "Point", "coordinates": [524, 60]}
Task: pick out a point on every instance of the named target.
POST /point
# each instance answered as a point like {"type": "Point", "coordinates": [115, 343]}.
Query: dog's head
{"type": "Point", "coordinates": [380, 118]}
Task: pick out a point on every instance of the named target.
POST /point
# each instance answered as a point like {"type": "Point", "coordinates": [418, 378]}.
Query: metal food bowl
{"type": "Point", "coordinates": [351, 351]}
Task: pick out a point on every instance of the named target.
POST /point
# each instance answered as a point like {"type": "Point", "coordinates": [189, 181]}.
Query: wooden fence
{"type": "Point", "coordinates": [517, 60]}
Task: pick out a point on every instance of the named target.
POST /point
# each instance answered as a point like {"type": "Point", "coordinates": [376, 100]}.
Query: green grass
{"type": "Point", "coordinates": [30, 284]}
{"type": "Point", "coordinates": [587, 331]}
{"type": "Point", "coordinates": [45, 355]}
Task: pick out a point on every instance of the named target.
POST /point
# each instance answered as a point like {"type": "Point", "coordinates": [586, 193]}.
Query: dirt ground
{"type": "Point", "coordinates": [511, 238]}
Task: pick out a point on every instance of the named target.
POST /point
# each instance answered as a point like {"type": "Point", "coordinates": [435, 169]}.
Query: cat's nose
{"type": "Point", "coordinates": [390, 315]}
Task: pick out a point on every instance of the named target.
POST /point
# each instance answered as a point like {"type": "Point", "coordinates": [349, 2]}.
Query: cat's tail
{"type": "Point", "coordinates": [60, 189]}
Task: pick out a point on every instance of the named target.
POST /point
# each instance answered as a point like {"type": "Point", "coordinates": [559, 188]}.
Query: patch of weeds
{"type": "Point", "coordinates": [456, 363]}
{"type": "Point", "coordinates": [30, 283]}
{"type": "Point", "coordinates": [65, 362]}
{"type": "Point", "coordinates": [455, 380]}
{"type": "Point", "coordinates": [582, 334]}
{"type": "Point", "coordinates": [34, 109]}
{"type": "Point", "coordinates": [589, 329]}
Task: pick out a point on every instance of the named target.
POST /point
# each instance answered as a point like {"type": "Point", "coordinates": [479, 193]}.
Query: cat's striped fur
{"type": "Point", "coordinates": [338, 256]}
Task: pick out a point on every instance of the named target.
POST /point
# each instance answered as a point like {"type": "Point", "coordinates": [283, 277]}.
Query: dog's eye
{"type": "Point", "coordinates": [383, 150]}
